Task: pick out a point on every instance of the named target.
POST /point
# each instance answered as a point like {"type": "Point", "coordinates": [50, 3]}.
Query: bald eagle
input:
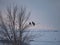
{"type": "Point", "coordinates": [29, 23]}
{"type": "Point", "coordinates": [33, 23]}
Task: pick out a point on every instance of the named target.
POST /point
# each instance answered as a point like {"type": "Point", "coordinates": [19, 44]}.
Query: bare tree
{"type": "Point", "coordinates": [14, 27]}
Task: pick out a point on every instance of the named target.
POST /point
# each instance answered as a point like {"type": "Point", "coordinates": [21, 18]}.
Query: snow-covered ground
{"type": "Point", "coordinates": [45, 37]}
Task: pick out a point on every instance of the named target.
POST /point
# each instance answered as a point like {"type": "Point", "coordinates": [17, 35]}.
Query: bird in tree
{"type": "Point", "coordinates": [33, 23]}
{"type": "Point", "coordinates": [29, 23]}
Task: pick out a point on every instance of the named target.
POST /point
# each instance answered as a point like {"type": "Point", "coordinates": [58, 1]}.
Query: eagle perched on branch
{"type": "Point", "coordinates": [33, 23]}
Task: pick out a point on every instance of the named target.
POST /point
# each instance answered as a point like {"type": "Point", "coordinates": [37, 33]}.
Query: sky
{"type": "Point", "coordinates": [45, 13]}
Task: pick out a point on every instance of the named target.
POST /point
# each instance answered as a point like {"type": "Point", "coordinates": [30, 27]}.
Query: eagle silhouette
{"type": "Point", "coordinates": [33, 23]}
{"type": "Point", "coordinates": [29, 23]}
